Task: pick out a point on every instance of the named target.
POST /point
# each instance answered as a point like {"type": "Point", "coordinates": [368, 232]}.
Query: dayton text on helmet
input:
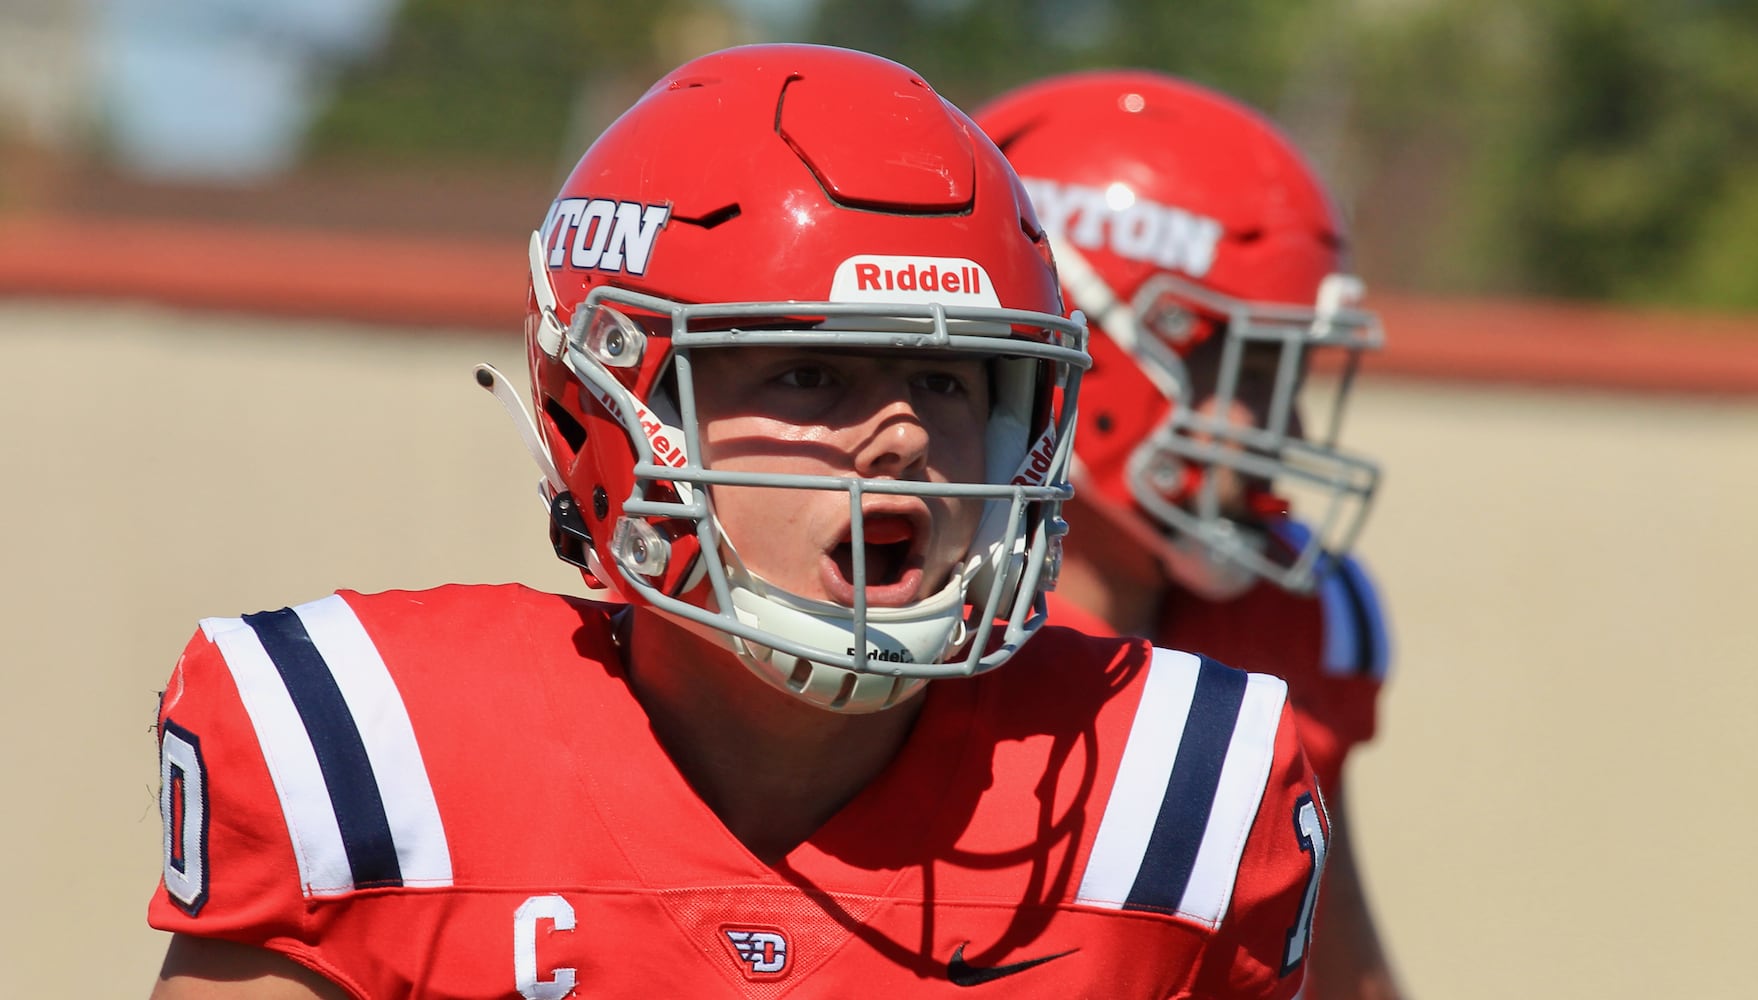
{"type": "Point", "coordinates": [1133, 228]}
{"type": "Point", "coordinates": [606, 235]}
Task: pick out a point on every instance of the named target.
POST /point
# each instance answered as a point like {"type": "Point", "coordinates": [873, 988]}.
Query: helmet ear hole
{"type": "Point", "coordinates": [565, 424]}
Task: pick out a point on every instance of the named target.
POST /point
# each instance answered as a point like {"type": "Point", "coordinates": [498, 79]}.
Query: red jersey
{"type": "Point", "coordinates": [452, 793]}
{"type": "Point", "coordinates": [1330, 646]}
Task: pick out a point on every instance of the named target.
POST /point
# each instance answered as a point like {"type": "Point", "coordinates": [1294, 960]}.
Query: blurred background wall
{"type": "Point", "coordinates": [249, 251]}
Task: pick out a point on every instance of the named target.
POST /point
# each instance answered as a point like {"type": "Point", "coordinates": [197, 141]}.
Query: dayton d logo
{"type": "Point", "coordinates": [761, 950]}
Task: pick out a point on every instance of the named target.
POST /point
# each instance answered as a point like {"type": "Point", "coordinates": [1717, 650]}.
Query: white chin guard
{"type": "Point", "coordinates": [922, 632]}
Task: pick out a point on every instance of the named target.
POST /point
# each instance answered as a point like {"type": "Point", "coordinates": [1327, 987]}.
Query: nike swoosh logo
{"type": "Point", "coordinates": [962, 973]}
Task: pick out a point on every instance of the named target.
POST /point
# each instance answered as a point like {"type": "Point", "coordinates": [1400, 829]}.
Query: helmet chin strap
{"type": "Point", "coordinates": [490, 378]}
{"type": "Point", "coordinates": [992, 563]}
{"type": "Point", "coordinates": [551, 485]}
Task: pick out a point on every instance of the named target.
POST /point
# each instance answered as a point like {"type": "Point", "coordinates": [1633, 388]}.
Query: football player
{"type": "Point", "coordinates": [1209, 261]}
{"type": "Point", "coordinates": [805, 390]}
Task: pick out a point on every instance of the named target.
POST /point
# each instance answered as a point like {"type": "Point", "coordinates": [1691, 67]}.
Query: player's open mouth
{"type": "Point", "coordinates": [892, 558]}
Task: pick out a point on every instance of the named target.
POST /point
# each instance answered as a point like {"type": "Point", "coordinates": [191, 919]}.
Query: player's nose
{"type": "Point", "coordinates": [892, 441]}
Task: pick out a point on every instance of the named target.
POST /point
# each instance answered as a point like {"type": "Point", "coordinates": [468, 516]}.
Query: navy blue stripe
{"type": "Point", "coordinates": [1366, 652]}
{"type": "Point", "coordinates": [1190, 791]}
{"type": "Point", "coordinates": [341, 754]}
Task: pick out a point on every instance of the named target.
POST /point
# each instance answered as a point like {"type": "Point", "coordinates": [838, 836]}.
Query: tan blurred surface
{"type": "Point", "coordinates": [1556, 807]}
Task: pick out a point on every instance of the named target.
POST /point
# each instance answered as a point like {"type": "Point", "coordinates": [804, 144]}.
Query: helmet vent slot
{"type": "Point", "coordinates": [565, 424]}
{"type": "Point", "coordinates": [725, 213]}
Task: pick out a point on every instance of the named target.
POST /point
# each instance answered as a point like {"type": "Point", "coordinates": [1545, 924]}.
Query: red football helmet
{"type": "Point", "coordinates": [1195, 237]}
{"type": "Point", "coordinates": [807, 195]}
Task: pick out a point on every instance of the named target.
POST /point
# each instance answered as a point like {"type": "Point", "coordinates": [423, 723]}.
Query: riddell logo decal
{"type": "Point", "coordinates": [880, 278]}
{"type": "Point", "coordinates": [1037, 461]}
{"type": "Point", "coordinates": [872, 277]}
{"type": "Point", "coordinates": [1131, 227]}
{"type": "Point", "coordinates": [667, 441]}
{"type": "Point", "coordinates": [602, 234]}
{"type": "Point", "coordinates": [761, 950]}
{"type": "Point", "coordinates": [878, 655]}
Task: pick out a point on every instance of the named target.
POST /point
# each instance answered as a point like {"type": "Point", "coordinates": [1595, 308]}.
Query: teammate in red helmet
{"type": "Point", "coordinates": [1215, 505]}
{"type": "Point", "coordinates": [805, 390]}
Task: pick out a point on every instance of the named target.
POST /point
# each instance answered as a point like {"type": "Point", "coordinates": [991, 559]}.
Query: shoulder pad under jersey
{"type": "Point", "coordinates": [1357, 641]}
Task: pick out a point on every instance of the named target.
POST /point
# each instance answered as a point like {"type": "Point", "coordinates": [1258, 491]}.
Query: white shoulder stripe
{"type": "Point", "coordinates": [1250, 755]}
{"type": "Point", "coordinates": [1202, 744]}
{"type": "Point", "coordinates": [1146, 767]}
{"type": "Point", "coordinates": [292, 761]}
{"type": "Point", "coordinates": [376, 710]}
{"type": "Point", "coordinates": [383, 720]}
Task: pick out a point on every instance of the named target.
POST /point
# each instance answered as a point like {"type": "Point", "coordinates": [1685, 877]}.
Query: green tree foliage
{"type": "Point", "coordinates": [1625, 175]}
{"type": "Point", "coordinates": [974, 49]}
{"type": "Point", "coordinates": [1601, 149]}
{"type": "Point", "coordinates": [495, 81]}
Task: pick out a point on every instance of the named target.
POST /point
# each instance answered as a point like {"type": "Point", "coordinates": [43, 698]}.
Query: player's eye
{"type": "Point", "coordinates": [943, 383]}
{"type": "Point", "coordinates": [805, 376]}
{"type": "Point", "coordinates": [952, 377]}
